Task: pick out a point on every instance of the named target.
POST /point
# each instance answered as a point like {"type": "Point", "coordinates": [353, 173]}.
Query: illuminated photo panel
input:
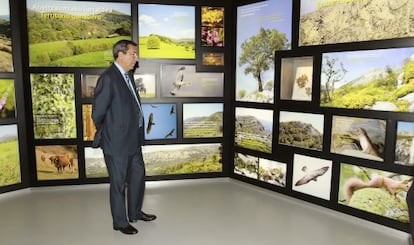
{"type": "Point", "coordinates": [166, 31]}
{"type": "Point", "coordinates": [75, 33]}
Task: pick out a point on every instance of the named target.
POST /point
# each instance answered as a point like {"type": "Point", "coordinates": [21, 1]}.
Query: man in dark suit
{"type": "Point", "coordinates": [118, 117]}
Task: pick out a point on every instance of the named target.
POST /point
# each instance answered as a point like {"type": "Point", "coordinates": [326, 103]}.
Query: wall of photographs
{"type": "Point", "coordinates": [63, 46]}
{"type": "Point", "coordinates": [323, 112]}
{"type": "Point", "coordinates": [310, 98]}
{"type": "Point", "coordinates": [13, 174]}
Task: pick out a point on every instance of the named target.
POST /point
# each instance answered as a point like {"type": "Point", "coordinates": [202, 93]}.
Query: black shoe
{"type": "Point", "coordinates": [129, 230]}
{"type": "Point", "coordinates": [144, 217]}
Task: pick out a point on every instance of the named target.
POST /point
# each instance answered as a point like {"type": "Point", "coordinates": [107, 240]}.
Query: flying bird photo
{"type": "Point", "coordinates": [313, 175]}
{"type": "Point", "coordinates": [170, 134]}
{"type": "Point", "coordinates": [179, 81]}
{"type": "Point", "coordinates": [150, 122]}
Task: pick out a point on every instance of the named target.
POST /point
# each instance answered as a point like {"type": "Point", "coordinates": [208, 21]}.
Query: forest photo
{"type": "Point", "coordinates": [6, 60]}
{"type": "Point", "coordinates": [375, 191]}
{"type": "Point", "coordinates": [262, 28]}
{"type": "Point", "coordinates": [182, 158]}
{"type": "Point", "coordinates": [9, 160]}
{"type": "Point", "coordinates": [166, 31]}
{"type": "Point", "coordinates": [381, 80]}
{"type": "Point", "coordinates": [53, 99]}
{"type": "Point", "coordinates": [75, 33]}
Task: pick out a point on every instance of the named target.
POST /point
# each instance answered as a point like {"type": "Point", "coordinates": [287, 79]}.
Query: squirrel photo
{"type": "Point", "coordinates": [392, 186]}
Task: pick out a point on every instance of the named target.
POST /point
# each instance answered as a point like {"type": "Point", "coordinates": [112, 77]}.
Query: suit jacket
{"type": "Point", "coordinates": [116, 115]}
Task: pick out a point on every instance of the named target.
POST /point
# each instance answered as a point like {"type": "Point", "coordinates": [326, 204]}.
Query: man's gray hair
{"type": "Point", "coordinates": [122, 46]}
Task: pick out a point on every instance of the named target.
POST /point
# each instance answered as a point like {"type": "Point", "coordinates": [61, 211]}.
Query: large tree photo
{"type": "Point", "coordinates": [258, 52]}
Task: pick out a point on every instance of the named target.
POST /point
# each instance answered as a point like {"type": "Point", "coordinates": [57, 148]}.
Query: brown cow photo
{"type": "Point", "coordinates": [57, 162]}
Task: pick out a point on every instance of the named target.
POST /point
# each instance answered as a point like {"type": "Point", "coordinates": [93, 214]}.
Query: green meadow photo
{"type": "Point", "coordinates": [166, 31]}
{"type": "Point", "coordinates": [75, 33]}
{"type": "Point", "coordinates": [9, 160]}
{"type": "Point", "coordinates": [6, 60]}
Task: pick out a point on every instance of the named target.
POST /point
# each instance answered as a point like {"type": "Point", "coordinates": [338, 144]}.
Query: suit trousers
{"type": "Point", "coordinates": [126, 172]}
{"type": "Point", "coordinates": [410, 204]}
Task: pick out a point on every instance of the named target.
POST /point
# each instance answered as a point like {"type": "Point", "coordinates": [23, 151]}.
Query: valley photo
{"type": "Point", "coordinates": [246, 165]}
{"type": "Point", "coordinates": [75, 33]}
{"type": "Point", "coordinates": [202, 120]}
{"type": "Point", "coordinates": [9, 160]}
{"type": "Point", "coordinates": [182, 159]}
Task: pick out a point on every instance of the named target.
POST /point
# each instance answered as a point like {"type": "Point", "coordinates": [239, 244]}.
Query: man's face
{"type": "Point", "coordinates": [129, 59]}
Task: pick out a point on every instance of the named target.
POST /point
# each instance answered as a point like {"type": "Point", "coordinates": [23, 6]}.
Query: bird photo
{"type": "Point", "coordinates": [179, 81]}
{"type": "Point", "coordinates": [160, 123]}
{"type": "Point", "coordinates": [185, 81]}
{"type": "Point", "coordinates": [312, 176]}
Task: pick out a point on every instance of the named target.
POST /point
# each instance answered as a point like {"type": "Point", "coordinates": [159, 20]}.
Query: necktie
{"type": "Point", "coordinates": [131, 89]}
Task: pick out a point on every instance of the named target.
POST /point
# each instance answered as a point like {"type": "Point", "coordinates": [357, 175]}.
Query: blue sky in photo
{"type": "Point", "coordinates": [271, 14]}
{"type": "Point", "coordinates": [4, 8]}
{"type": "Point", "coordinates": [163, 121]}
{"type": "Point", "coordinates": [166, 20]}
{"type": "Point", "coordinates": [8, 130]}
{"type": "Point", "coordinates": [405, 127]}
{"type": "Point", "coordinates": [201, 109]}
{"type": "Point", "coordinates": [78, 7]}
{"type": "Point", "coordinates": [359, 62]}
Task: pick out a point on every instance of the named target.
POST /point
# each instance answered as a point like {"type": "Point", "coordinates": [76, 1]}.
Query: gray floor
{"type": "Point", "coordinates": [190, 212]}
